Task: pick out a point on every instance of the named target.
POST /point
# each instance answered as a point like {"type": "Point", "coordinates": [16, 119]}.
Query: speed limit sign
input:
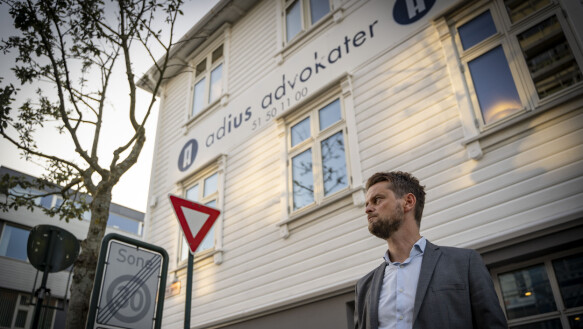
{"type": "Point", "coordinates": [129, 284]}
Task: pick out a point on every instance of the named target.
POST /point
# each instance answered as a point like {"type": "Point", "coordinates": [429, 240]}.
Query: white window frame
{"type": "Point", "coordinates": [314, 144]}
{"type": "Point", "coordinates": [458, 59]}
{"type": "Point", "coordinates": [305, 17]}
{"type": "Point", "coordinates": [216, 166]}
{"type": "Point", "coordinates": [221, 38]}
{"type": "Point", "coordinates": [210, 66]}
{"type": "Point", "coordinates": [355, 188]}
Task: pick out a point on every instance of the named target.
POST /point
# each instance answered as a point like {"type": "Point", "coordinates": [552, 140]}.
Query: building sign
{"type": "Point", "coordinates": [372, 29]}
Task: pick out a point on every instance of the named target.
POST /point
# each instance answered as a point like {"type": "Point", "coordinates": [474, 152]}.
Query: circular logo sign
{"type": "Point", "coordinates": [409, 11]}
{"type": "Point", "coordinates": [187, 155]}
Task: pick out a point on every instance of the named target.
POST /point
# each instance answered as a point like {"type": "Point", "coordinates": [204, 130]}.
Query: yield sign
{"type": "Point", "coordinates": [195, 219]}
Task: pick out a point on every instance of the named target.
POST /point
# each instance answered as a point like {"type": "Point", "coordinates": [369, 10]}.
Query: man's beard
{"type": "Point", "coordinates": [385, 227]}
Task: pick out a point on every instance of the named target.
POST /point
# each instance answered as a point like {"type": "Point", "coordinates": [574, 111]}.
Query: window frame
{"type": "Point", "coordinates": [305, 18]}
{"type": "Point", "coordinates": [215, 167]}
{"type": "Point", "coordinates": [3, 226]}
{"type": "Point", "coordinates": [457, 60]}
{"type": "Point", "coordinates": [210, 66]}
{"type": "Point", "coordinates": [314, 143]}
{"type": "Point", "coordinates": [561, 312]}
{"type": "Point", "coordinates": [506, 36]}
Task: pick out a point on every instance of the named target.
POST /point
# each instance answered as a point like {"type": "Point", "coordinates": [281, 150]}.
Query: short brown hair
{"type": "Point", "coordinates": [401, 184]}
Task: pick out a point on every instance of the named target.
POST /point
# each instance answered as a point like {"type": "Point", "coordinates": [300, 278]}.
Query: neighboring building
{"type": "Point", "coordinates": [18, 277]}
{"type": "Point", "coordinates": [276, 112]}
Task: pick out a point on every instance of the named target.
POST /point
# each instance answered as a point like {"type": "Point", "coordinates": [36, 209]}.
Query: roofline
{"type": "Point", "coordinates": [224, 12]}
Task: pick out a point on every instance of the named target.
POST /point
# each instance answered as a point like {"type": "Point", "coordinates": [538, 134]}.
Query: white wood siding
{"type": "Point", "coordinates": [407, 119]}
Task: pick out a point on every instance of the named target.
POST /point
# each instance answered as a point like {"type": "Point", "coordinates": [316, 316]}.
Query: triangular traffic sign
{"type": "Point", "coordinates": [195, 219]}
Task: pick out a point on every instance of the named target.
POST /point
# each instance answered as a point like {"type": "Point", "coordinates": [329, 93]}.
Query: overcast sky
{"type": "Point", "coordinates": [132, 190]}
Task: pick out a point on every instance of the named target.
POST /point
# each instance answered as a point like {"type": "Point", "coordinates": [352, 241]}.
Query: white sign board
{"type": "Point", "coordinates": [130, 286]}
{"type": "Point", "coordinates": [375, 27]}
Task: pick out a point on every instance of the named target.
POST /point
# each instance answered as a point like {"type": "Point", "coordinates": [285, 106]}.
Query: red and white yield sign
{"type": "Point", "coordinates": [195, 219]}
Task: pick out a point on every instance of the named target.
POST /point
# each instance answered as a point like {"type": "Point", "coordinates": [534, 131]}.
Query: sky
{"type": "Point", "coordinates": [132, 189]}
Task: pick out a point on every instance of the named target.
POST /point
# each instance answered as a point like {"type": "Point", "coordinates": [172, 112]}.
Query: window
{"type": "Point", "coordinates": [13, 242]}
{"type": "Point", "coordinates": [206, 191]}
{"type": "Point", "coordinates": [302, 14]}
{"type": "Point", "coordinates": [515, 56]}
{"type": "Point", "coordinates": [124, 223]}
{"type": "Point", "coordinates": [544, 294]}
{"type": "Point", "coordinates": [17, 312]}
{"type": "Point", "coordinates": [317, 155]}
{"type": "Point", "coordinates": [208, 81]}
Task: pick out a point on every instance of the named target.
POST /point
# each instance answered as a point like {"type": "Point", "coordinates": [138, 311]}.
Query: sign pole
{"type": "Point", "coordinates": [188, 291]}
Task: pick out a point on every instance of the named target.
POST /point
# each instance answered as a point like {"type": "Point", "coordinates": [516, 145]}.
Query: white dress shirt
{"type": "Point", "coordinates": [397, 297]}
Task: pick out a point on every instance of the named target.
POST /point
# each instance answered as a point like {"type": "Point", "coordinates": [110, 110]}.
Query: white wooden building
{"type": "Point", "coordinates": [276, 113]}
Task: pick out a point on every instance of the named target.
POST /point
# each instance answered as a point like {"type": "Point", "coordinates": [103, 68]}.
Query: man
{"type": "Point", "coordinates": [419, 285]}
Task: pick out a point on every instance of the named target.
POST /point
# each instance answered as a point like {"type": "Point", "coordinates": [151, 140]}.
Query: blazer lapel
{"type": "Point", "coordinates": [375, 293]}
{"type": "Point", "coordinates": [430, 257]}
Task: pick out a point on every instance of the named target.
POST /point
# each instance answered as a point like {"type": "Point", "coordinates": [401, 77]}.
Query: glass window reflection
{"type": "Point", "coordinates": [198, 98]}
{"type": "Point", "coordinates": [13, 242]}
{"type": "Point", "coordinates": [329, 114]}
{"type": "Point", "coordinates": [216, 84]}
{"type": "Point", "coordinates": [192, 193]}
{"type": "Point", "coordinates": [300, 132]}
{"type": "Point", "coordinates": [569, 273]}
{"type": "Point", "coordinates": [303, 180]}
{"type": "Point", "coordinates": [527, 292]}
{"type": "Point", "coordinates": [210, 185]}
{"type": "Point", "coordinates": [494, 85]}
{"type": "Point", "coordinates": [293, 20]}
{"type": "Point", "coordinates": [477, 30]}
{"type": "Point", "coordinates": [334, 164]}
{"type": "Point", "coordinates": [319, 8]}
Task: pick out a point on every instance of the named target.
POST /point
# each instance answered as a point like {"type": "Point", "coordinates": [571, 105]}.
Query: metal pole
{"type": "Point", "coordinates": [188, 291]}
{"type": "Point", "coordinates": [40, 293]}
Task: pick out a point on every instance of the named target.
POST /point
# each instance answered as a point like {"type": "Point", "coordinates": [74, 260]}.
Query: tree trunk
{"type": "Point", "coordinates": [86, 264]}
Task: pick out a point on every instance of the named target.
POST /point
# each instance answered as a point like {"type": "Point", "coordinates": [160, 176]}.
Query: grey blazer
{"type": "Point", "coordinates": [454, 291]}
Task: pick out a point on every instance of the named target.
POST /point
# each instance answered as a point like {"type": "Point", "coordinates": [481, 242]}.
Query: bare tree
{"type": "Point", "coordinates": [73, 47]}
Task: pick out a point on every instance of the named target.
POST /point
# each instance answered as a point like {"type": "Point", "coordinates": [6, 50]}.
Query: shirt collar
{"type": "Point", "coordinates": [418, 249]}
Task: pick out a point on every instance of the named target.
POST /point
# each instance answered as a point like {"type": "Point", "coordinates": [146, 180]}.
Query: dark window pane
{"type": "Point", "coordinates": [300, 132]}
{"type": "Point", "coordinates": [20, 321]}
{"type": "Point", "coordinates": [217, 54]}
{"type": "Point", "coordinates": [7, 307]}
{"type": "Point", "coordinates": [549, 324]}
{"type": "Point", "coordinates": [576, 321]}
{"type": "Point", "coordinates": [303, 179]}
{"type": "Point", "coordinates": [519, 9]}
{"type": "Point", "coordinates": [293, 20]}
{"type": "Point", "coordinates": [477, 30]}
{"type": "Point", "coordinates": [550, 60]}
{"type": "Point", "coordinates": [334, 164]}
{"type": "Point", "coordinates": [329, 114]}
{"type": "Point", "coordinates": [200, 68]}
{"type": "Point", "coordinates": [319, 8]}
{"type": "Point", "coordinates": [569, 272]}
{"type": "Point", "coordinates": [495, 89]}
{"type": "Point", "coordinates": [527, 292]}
{"type": "Point", "coordinates": [13, 242]}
